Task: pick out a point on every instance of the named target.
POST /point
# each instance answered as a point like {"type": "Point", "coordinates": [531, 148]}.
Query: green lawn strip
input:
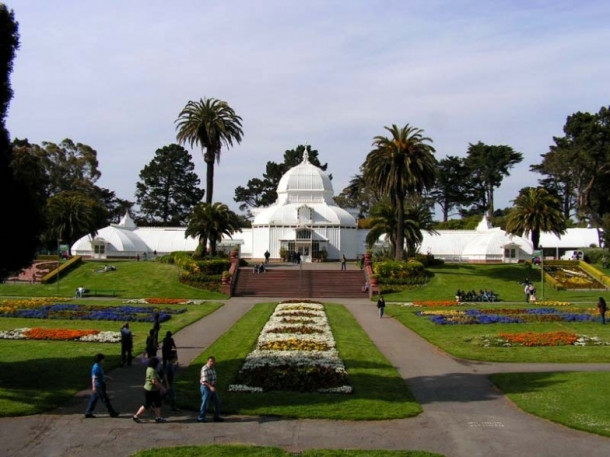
{"type": "Point", "coordinates": [579, 400]}
{"type": "Point", "coordinates": [130, 280]}
{"type": "Point", "coordinates": [503, 279]}
{"type": "Point", "coordinates": [36, 376]}
{"type": "Point", "coordinates": [222, 450]}
{"type": "Point", "coordinates": [379, 391]}
{"type": "Point", "coordinates": [456, 339]}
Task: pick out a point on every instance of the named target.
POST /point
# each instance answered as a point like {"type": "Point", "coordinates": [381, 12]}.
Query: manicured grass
{"type": "Point", "coordinates": [130, 280]}
{"type": "Point", "coordinates": [454, 339]}
{"type": "Point", "coordinates": [579, 400]}
{"type": "Point", "coordinates": [259, 451]}
{"type": "Point", "coordinates": [36, 376]}
{"type": "Point", "coordinates": [503, 279]}
{"type": "Point", "coordinates": [379, 391]}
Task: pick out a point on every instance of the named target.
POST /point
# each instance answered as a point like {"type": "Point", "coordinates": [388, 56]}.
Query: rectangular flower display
{"type": "Point", "coordinates": [295, 351]}
{"type": "Point", "coordinates": [61, 334]}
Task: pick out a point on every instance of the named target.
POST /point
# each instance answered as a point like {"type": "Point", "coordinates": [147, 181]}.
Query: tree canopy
{"type": "Point", "coordinates": [18, 194]}
{"type": "Point", "coordinates": [209, 123]}
{"type": "Point", "coordinates": [487, 166]}
{"type": "Point", "coordinates": [399, 165]}
{"type": "Point", "coordinates": [536, 210]}
{"type": "Point", "coordinates": [168, 188]}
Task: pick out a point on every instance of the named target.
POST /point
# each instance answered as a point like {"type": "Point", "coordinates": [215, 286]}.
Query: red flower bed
{"type": "Point", "coordinates": [61, 334]}
{"type": "Point", "coordinates": [541, 339]}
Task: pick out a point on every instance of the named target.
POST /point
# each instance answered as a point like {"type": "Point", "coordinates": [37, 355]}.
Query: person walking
{"type": "Point", "coordinates": [168, 346]}
{"type": "Point", "coordinates": [343, 262]}
{"type": "Point", "coordinates": [207, 383]}
{"type": "Point", "coordinates": [267, 255]}
{"type": "Point", "coordinates": [602, 308]}
{"type": "Point", "coordinates": [151, 344]}
{"type": "Point", "coordinates": [126, 345]}
{"type": "Point", "coordinates": [381, 305]}
{"type": "Point", "coordinates": [152, 393]}
{"type": "Point", "coordinates": [98, 388]}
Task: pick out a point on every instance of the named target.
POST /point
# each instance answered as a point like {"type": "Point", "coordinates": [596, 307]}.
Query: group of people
{"type": "Point", "coordinates": [258, 268]}
{"type": "Point", "coordinates": [474, 296]}
{"type": "Point", "coordinates": [158, 384]}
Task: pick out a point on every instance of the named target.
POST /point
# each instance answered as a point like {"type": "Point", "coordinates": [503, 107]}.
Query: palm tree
{"type": "Point", "coordinates": [209, 123]}
{"type": "Point", "coordinates": [383, 222]}
{"type": "Point", "coordinates": [400, 165]}
{"type": "Point", "coordinates": [210, 221]}
{"type": "Point", "coordinates": [70, 215]}
{"type": "Point", "coordinates": [536, 210]}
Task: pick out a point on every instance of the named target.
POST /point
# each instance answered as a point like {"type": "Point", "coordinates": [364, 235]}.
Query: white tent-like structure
{"type": "Point", "coordinates": [484, 244]}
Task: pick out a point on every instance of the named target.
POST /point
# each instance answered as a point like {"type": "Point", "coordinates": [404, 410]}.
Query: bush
{"type": "Point", "coordinates": [428, 260]}
{"type": "Point", "coordinates": [594, 255]}
{"type": "Point", "coordinates": [407, 273]}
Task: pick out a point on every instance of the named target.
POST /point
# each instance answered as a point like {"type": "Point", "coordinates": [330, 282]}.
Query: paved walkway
{"type": "Point", "coordinates": [464, 416]}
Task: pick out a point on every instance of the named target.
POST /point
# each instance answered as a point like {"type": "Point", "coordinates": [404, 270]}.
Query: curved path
{"type": "Point", "coordinates": [464, 415]}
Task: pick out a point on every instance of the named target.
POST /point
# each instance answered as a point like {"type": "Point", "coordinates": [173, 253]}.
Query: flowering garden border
{"type": "Point", "coordinates": [61, 334]}
{"type": "Point", "coordinates": [508, 315]}
{"type": "Point", "coordinates": [537, 339]}
{"type": "Point", "coordinates": [295, 351]}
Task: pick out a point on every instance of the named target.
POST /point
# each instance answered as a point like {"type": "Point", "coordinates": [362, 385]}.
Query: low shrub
{"type": "Point", "coordinates": [408, 273]}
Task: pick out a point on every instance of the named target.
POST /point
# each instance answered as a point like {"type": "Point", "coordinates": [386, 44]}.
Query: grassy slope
{"type": "Point", "coordinates": [130, 280]}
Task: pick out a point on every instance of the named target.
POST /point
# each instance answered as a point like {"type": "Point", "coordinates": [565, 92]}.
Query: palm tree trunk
{"type": "Point", "coordinates": [209, 178]}
{"type": "Point", "coordinates": [400, 227]}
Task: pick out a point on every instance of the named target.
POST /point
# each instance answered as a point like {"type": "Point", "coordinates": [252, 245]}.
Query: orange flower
{"type": "Point", "coordinates": [60, 334]}
{"type": "Point", "coordinates": [166, 301]}
{"type": "Point", "coordinates": [531, 339]}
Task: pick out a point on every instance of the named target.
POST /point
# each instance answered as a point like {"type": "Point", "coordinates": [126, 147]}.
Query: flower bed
{"type": "Point", "coordinates": [296, 351]}
{"type": "Point", "coordinates": [86, 312]}
{"type": "Point", "coordinates": [572, 277]}
{"type": "Point", "coordinates": [61, 334]}
{"type": "Point", "coordinates": [533, 339]}
{"type": "Point", "coordinates": [508, 315]}
{"type": "Point", "coordinates": [435, 303]}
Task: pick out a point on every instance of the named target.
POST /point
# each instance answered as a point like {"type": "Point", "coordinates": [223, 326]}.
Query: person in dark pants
{"type": "Point", "coordinates": [151, 344]}
{"type": "Point", "coordinates": [168, 346]}
{"type": "Point", "coordinates": [381, 305]}
{"type": "Point", "coordinates": [603, 308]}
{"type": "Point", "coordinates": [98, 388]}
{"type": "Point", "coordinates": [126, 345]}
{"type": "Point", "coordinates": [343, 262]}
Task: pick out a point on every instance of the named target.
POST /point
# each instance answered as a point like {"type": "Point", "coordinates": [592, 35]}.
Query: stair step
{"type": "Point", "coordinates": [303, 283]}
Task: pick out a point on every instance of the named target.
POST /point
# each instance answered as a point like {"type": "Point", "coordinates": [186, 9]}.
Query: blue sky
{"type": "Point", "coordinates": [332, 74]}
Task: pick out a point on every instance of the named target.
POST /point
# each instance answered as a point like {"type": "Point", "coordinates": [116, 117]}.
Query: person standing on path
{"type": "Point", "coordinates": [207, 383]}
{"type": "Point", "coordinates": [603, 308]}
{"type": "Point", "coordinates": [267, 255]}
{"type": "Point", "coordinates": [152, 393]}
{"type": "Point", "coordinates": [381, 305]}
{"type": "Point", "coordinates": [168, 346]}
{"type": "Point", "coordinates": [98, 388]}
{"type": "Point", "coordinates": [343, 262]}
{"type": "Point", "coordinates": [126, 345]}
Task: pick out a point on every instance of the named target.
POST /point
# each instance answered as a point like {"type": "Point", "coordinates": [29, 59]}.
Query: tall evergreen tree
{"type": "Point", "coordinates": [487, 165]}
{"type": "Point", "coordinates": [168, 187]}
{"type": "Point", "coordinates": [18, 195]}
{"type": "Point", "coordinates": [452, 189]}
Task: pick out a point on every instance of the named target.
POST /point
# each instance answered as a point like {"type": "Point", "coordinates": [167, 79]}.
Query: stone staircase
{"type": "Point", "coordinates": [295, 283]}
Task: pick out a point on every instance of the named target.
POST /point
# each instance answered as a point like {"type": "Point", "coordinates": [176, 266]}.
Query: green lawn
{"type": "Point", "coordinates": [36, 376]}
{"type": "Point", "coordinates": [379, 391]}
{"type": "Point", "coordinates": [579, 400]}
{"type": "Point", "coordinates": [131, 280]}
{"type": "Point", "coordinates": [259, 451]}
{"type": "Point", "coordinates": [503, 279]}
